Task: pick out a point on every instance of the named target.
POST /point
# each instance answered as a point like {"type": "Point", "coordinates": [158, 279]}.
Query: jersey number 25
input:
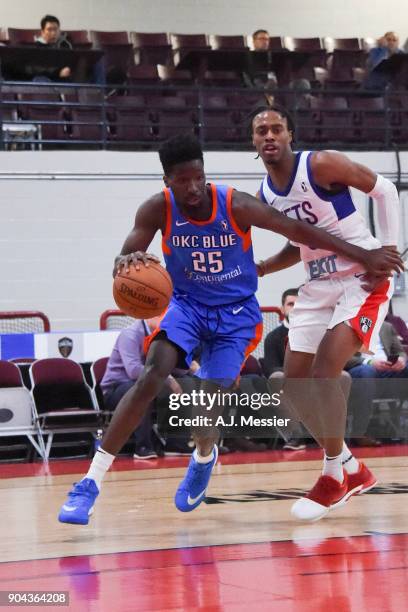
{"type": "Point", "coordinates": [207, 262]}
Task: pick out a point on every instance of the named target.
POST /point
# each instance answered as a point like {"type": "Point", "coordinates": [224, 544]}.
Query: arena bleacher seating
{"type": "Point", "coordinates": [147, 86]}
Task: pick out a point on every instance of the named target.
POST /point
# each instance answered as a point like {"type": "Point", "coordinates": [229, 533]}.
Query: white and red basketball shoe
{"type": "Point", "coordinates": [328, 493]}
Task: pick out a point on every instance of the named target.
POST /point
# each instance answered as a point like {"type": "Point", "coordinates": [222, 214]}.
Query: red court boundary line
{"type": "Point", "coordinates": [78, 466]}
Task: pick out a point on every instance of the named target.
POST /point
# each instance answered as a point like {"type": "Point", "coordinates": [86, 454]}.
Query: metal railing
{"type": "Point", "coordinates": [48, 115]}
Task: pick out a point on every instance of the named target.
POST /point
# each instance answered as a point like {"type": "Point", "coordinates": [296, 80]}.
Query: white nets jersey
{"type": "Point", "coordinates": [335, 213]}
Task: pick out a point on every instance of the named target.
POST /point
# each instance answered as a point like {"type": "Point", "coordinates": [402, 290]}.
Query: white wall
{"type": "Point", "coordinates": [292, 17]}
{"type": "Point", "coordinates": [65, 215]}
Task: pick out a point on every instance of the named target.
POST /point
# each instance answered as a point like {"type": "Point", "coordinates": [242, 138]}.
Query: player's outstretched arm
{"type": "Point", "coordinates": [332, 169]}
{"type": "Point", "coordinates": [377, 262]}
{"type": "Point", "coordinates": [150, 217]}
{"type": "Point", "coordinates": [285, 258]}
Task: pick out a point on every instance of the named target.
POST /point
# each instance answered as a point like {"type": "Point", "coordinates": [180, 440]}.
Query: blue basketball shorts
{"type": "Point", "coordinates": [226, 334]}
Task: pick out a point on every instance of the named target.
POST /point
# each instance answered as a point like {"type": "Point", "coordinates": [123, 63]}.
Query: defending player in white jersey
{"type": "Point", "coordinates": [339, 309]}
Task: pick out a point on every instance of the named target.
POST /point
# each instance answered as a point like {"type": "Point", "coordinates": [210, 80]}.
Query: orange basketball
{"type": "Point", "coordinates": [143, 293]}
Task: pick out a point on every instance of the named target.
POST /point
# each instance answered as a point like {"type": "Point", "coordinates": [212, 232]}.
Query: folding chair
{"type": "Point", "coordinates": [17, 412]}
{"type": "Point", "coordinates": [63, 400]}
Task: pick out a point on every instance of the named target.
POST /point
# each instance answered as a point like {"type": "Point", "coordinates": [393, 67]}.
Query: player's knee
{"type": "Point", "coordinates": [153, 377]}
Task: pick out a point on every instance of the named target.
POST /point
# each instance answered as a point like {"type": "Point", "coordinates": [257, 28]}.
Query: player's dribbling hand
{"type": "Point", "coordinates": [136, 258]}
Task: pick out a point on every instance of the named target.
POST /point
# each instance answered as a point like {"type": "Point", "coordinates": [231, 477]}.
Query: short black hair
{"type": "Point", "coordinates": [49, 19]}
{"type": "Point", "coordinates": [276, 108]}
{"type": "Point", "coordinates": [257, 32]}
{"type": "Point", "coordinates": [294, 291]}
{"type": "Point", "coordinates": [180, 149]}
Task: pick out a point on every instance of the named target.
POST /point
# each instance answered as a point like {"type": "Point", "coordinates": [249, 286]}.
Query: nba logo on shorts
{"type": "Point", "coordinates": [365, 324]}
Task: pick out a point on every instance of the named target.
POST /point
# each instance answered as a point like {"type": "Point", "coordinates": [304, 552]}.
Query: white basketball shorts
{"type": "Point", "coordinates": [323, 304]}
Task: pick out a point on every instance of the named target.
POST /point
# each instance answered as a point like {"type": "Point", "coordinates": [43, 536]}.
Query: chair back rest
{"type": "Point", "coordinates": [10, 375]}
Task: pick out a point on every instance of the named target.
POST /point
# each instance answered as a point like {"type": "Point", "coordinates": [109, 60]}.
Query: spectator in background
{"type": "Point", "coordinates": [275, 342]}
{"type": "Point", "coordinates": [399, 325]}
{"type": "Point", "coordinates": [260, 40]}
{"type": "Point", "coordinates": [389, 361]}
{"type": "Point", "coordinates": [124, 367]}
{"type": "Point", "coordinates": [52, 37]}
{"type": "Point", "coordinates": [387, 46]}
{"type": "Point", "coordinates": [274, 355]}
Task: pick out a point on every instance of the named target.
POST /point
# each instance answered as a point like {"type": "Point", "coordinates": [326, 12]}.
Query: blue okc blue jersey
{"type": "Point", "coordinates": [210, 261]}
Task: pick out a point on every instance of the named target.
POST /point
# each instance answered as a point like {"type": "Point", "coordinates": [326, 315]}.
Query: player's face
{"type": "Point", "coordinates": [270, 136]}
{"type": "Point", "coordinates": [187, 181]}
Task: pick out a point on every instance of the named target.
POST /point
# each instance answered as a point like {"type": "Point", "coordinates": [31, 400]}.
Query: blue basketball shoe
{"type": "Point", "coordinates": [192, 489]}
{"type": "Point", "coordinates": [80, 503]}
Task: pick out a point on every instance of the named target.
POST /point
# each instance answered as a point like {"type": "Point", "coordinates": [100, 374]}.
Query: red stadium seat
{"type": "Point", "coordinates": [107, 39]}
{"type": "Point", "coordinates": [79, 39]}
{"type": "Point", "coordinates": [152, 48]}
{"type": "Point", "coordinates": [189, 41]}
{"type": "Point", "coordinates": [302, 44]}
{"type": "Point", "coordinates": [276, 43]}
{"type": "Point", "coordinates": [227, 42]}
{"type": "Point", "coordinates": [19, 36]}
{"type": "Point", "coordinates": [10, 375]}
{"type": "Point", "coordinates": [344, 44]}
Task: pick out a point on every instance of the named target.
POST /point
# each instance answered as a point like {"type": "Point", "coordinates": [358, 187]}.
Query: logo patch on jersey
{"type": "Point", "coordinates": [322, 267]}
{"type": "Point", "coordinates": [224, 225]}
{"type": "Point", "coordinates": [303, 186]}
{"type": "Point", "coordinates": [365, 324]}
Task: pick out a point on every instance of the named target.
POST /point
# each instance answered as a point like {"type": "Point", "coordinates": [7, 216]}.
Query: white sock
{"type": "Point", "coordinates": [201, 459]}
{"type": "Point", "coordinates": [332, 467]}
{"type": "Point", "coordinates": [349, 462]}
{"type": "Point", "coordinates": [99, 466]}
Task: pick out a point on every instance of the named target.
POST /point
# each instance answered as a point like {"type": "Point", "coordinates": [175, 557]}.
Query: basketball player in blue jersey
{"type": "Point", "coordinates": [337, 311]}
{"type": "Point", "coordinates": [207, 247]}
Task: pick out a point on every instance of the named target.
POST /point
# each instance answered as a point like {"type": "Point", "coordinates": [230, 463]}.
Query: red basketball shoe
{"type": "Point", "coordinates": [328, 493]}
{"type": "Point", "coordinates": [361, 481]}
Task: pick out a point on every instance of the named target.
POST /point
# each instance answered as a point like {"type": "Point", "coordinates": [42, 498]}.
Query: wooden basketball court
{"type": "Point", "coordinates": [241, 550]}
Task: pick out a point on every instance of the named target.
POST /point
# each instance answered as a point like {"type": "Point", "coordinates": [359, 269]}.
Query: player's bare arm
{"type": "Point", "coordinates": [285, 258]}
{"type": "Point", "coordinates": [150, 217]}
{"type": "Point", "coordinates": [377, 261]}
{"type": "Point", "coordinates": [332, 169]}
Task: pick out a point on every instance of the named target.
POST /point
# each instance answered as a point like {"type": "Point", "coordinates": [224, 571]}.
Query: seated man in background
{"type": "Point", "coordinates": [398, 324]}
{"type": "Point", "coordinates": [389, 361]}
{"type": "Point", "coordinates": [52, 37]}
{"type": "Point", "coordinates": [274, 355]}
{"type": "Point", "coordinates": [260, 39]}
{"type": "Point", "coordinates": [387, 46]}
{"type": "Point", "coordinates": [123, 369]}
